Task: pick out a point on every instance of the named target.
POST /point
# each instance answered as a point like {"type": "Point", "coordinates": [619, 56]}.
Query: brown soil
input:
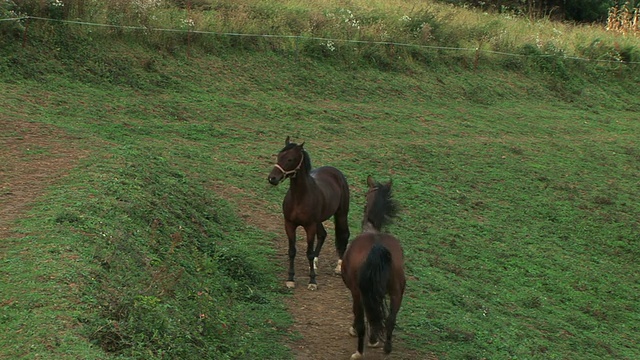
{"type": "Point", "coordinates": [34, 156]}
{"type": "Point", "coordinates": [321, 317]}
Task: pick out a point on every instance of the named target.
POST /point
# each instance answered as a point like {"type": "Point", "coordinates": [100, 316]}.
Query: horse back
{"type": "Point", "coordinates": [330, 179]}
{"type": "Point", "coordinates": [334, 187]}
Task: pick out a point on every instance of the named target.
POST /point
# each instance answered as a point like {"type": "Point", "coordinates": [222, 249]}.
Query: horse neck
{"type": "Point", "coordinates": [302, 184]}
{"type": "Point", "coordinates": [368, 227]}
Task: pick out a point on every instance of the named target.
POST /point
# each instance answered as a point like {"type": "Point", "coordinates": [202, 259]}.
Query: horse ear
{"type": "Point", "coordinates": [286, 142]}
{"type": "Point", "coordinates": [371, 182]}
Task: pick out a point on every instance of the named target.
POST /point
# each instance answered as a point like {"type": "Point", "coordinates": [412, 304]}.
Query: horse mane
{"type": "Point", "coordinates": [306, 162]}
{"type": "Point", "coordinates": [384, 208]}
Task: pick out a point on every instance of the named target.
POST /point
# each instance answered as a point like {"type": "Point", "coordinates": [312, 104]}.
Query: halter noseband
{"type": "Point", "coordinates": [290, 173]}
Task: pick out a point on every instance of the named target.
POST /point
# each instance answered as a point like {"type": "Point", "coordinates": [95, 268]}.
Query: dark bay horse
{"type": "Point", "coordinates": [372, 268]}
{"type": "Point", "coordinates": [313, 197]}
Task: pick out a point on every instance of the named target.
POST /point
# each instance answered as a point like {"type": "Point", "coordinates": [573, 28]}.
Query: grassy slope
{"type": "Point", "coordinates": [165, 268]}
{"type": "Point", "coordinates": [519, 218]}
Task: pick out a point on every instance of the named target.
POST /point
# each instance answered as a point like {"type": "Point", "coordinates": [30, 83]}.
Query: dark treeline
{"type": "Point", "coordinates": [580, 11]}
{"type": "Point", "coordinates": [583, 11]}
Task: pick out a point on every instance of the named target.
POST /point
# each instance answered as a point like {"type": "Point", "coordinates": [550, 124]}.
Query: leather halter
{"type": "Point", "coordinates": [291, 173]}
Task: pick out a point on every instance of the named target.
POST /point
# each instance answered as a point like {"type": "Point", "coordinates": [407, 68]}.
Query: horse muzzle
{"type": "Point", "coordinates": [275, 176]}
{"type": "Point", "coordinates": [273, 180]}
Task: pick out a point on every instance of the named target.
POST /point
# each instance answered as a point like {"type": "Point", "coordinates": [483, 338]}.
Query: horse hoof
{"type": "Point", "coordinates": [338, 269]}
{"type": "Point", "coordinates": [312, 287]}
{"type": "Point", "coordinates": [374, 345]}
{"type": "Point", "coordinates": [356, 356]}
{"type": "Point", "coordinates": [352, 331]}
{"type": "Point", "coordinates": [290, 284]}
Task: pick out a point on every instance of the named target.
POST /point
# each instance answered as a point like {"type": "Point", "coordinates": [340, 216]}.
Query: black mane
{"type": "Point", "coordinates": [384, 208]}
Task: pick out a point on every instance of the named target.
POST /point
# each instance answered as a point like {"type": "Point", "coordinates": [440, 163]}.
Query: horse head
{"type": "Point", "coordinates": [380, 207]}
{"type": "Point", "coordinates": [290, 159]}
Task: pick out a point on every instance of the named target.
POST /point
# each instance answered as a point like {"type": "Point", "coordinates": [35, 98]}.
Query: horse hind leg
{"type": "Point", "coordinates": [342, 238]}
{"type": "Point", "coordinates": [391, 322]}
{"type": "Point", "coordinates": [374, 340]}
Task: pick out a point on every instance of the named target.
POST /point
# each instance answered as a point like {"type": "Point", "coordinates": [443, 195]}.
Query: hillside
{"type": "Point", "coordinates": [137, 221]}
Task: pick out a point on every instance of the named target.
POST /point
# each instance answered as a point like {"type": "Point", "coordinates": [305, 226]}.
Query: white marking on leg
{"type": "Point", "coordinates": [291, 284]}
{"type": "Point", "coordinates": [352, 331]}
{"type": "Point", "coordinates": [338, 269]}
{"type": "Point", "coordinates": [315, 263]}
{"type": "Point", "coordinates": [375, 345]}
{"type": "Point", "coordinates": [312, 287]}
{"type": "Point", "coordinates": [356, 356]}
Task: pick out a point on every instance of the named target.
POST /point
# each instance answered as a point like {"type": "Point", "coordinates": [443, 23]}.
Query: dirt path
{"type": "Point", "coordinates": [32, 157]}
{"type": "Point", "coordinates": [321, 317]}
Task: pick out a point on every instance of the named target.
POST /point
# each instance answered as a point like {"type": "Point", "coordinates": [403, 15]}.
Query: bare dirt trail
{"type": "Point", "coordinates": [32, 157]}
{"type": "Point", "coordinates": [321, 317]}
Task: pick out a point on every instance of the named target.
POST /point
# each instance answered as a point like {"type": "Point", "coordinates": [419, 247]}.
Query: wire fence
{"type": "Point", "coordinates": [322, 39]}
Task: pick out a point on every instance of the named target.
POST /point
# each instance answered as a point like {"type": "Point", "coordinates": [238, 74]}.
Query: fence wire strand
{"type": "Point", "coordinates": [15, 19]}
{"type": "Point", "coordinates": [322, 39]}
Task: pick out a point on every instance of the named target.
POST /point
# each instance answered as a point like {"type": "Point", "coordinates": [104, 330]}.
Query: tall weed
{"type": "Point", "coordinates": [351, 30]}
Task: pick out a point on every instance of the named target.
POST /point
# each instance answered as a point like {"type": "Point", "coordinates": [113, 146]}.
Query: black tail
{"type": "Point", "coordinates": [372, 281]}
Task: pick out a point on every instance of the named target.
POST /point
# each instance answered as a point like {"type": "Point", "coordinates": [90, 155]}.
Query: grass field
{"type": "Point", "coordinates": [518, 193]}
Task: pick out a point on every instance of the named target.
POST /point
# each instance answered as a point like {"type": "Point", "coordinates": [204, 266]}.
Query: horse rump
{"type": "Point", "coordinates": [373, 280]}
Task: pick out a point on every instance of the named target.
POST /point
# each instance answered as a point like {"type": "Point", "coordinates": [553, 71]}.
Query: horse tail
{"type": "Point", "coordinates": [372, 281]}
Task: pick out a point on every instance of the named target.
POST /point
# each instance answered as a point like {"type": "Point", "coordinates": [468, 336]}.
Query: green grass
{"type": "Point", "coordinates": [518, 190]}
{"type": "Point", "coordinates": [131, 256]}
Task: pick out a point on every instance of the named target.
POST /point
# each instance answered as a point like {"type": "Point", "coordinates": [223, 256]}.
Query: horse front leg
{"type": "Point", "coordinates": [290, 229]}
{"type": "Point", "coordinates": [321, 235]}
{"type": "Point", "coordinates": [311, 254]}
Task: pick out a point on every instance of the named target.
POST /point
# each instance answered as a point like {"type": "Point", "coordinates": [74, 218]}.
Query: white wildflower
{"type": "Point", "coordinates": [188, 23]}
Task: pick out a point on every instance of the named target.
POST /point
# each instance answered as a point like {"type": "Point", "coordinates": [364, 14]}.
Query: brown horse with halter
{"type": "Point", "coordinates": [372, 267]}
{"type": "Point", "coordinates": [313, 197]}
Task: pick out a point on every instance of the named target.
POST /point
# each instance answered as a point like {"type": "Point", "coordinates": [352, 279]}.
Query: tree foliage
{"type": "Point", "coordinates": [571, 10]}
